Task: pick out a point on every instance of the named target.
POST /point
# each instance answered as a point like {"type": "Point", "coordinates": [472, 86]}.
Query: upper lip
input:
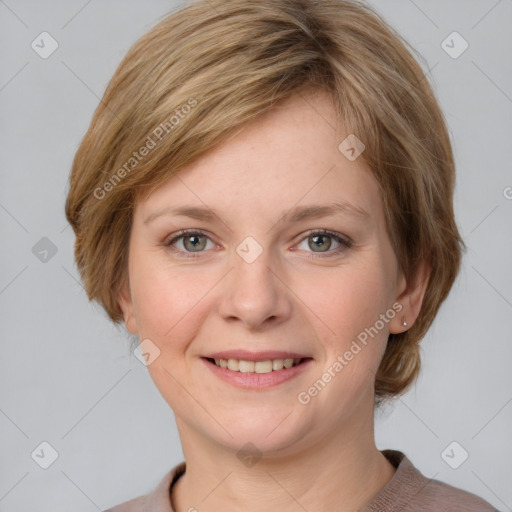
{"type": "Point", "coordinates": [264, 355]}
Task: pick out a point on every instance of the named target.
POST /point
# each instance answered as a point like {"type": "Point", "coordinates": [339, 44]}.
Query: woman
{"type": "Point", "coordinates": [264, 198]}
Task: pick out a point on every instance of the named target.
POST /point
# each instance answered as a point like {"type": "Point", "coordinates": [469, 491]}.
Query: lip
{"type": "Point", "coordinates": [264, 355]}
{"type": "Point", "coordinates": [257, 381]}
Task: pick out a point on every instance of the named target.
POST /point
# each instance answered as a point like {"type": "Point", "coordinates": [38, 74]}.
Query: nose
{"type": "Point", "coordinates": [255, 293]}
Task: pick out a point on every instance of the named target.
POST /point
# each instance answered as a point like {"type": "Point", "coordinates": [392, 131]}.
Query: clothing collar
{"type": "Point", "coordinates": [392, 496]}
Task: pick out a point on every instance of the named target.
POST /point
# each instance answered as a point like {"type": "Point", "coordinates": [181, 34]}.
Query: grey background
{"type": "Point", "coordinates": [66, 374]}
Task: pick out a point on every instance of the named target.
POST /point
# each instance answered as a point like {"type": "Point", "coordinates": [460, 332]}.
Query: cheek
{"type": "Point", "coordinates": [350, 299]}
{"type": "Point", "coordinates": [346, 307]}
{"type": "Point", "coordinates": [168, 301]}
{"type": "Point", "coordinates": [349, 304]}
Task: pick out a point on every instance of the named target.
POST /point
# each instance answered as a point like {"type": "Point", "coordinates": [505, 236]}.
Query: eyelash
{"type": "Point", "coordinates": [345, 243]}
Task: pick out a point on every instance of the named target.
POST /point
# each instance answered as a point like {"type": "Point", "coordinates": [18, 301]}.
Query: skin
{"type": "Point", "coordinates": [318, 456]}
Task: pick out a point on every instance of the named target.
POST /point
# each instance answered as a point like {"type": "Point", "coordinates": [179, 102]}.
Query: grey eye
{"type": "Point", "coordinates": [319, 242]}
{"type": "Point", "coordinates": [194, 242]}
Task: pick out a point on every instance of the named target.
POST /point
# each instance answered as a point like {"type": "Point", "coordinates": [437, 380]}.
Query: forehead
{"type": "Point", "coordinates": [286, 156]}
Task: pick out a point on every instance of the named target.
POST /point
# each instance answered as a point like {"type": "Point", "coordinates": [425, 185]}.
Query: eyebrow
{"type": "Point", "coordinates": [292, 215]}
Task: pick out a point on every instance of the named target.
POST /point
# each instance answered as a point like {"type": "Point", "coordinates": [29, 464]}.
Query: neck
{"type": "Point", "coordinates": [341, 472]}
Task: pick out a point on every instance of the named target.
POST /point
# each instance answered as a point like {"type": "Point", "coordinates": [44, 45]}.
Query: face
{"type": "Point", "coordinates": [260, 271]}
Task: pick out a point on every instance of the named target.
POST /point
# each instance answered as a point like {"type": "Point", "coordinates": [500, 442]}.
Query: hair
{"type": "Point", "coordinates": [207, 69]}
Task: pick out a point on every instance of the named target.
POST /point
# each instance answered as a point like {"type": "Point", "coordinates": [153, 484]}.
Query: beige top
{"type": "Point", "coordinates": [407, 491]}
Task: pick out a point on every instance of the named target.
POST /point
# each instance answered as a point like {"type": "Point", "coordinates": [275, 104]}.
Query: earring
{"type": "Point", "coordinates": [404, 322]}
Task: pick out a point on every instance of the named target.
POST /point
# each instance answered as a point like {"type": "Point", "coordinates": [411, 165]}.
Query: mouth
{"type": "Point", "coordinates": [262, 366]}
{"type": "Point", "coordinates": [259, 371]}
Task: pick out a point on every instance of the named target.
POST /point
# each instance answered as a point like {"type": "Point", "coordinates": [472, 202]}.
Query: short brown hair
{"type": "Point", "coordinates": [209, 68]}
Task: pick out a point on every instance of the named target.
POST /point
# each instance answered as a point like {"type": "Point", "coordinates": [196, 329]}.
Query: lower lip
{"type": "Point", "coordinates": [251, 380]}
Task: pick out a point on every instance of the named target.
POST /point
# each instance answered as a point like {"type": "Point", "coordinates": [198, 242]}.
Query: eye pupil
{"type": "Point", "coordinates": [320, 238]}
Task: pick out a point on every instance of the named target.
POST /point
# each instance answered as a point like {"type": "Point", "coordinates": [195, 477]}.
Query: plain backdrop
{"type": "Point", "coordinates": [67, 377]}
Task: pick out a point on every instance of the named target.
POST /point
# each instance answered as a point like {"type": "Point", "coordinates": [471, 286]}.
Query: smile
{"type": "Point", "coordinates": [257, 375]}
{"type": "Point", "coordinates": [267, 366]}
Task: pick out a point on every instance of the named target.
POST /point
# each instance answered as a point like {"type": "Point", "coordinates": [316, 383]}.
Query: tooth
{"type": "Point", "coordinates": [277, 364]}
{"type": "Point", "coordinates": [246, 366]}
{"type": "Point", "coordinates": [266, 366]}
{"type": "Point", "coordinates": [233, 364]}
{"type": "Point", "coordinates": [263, 366]}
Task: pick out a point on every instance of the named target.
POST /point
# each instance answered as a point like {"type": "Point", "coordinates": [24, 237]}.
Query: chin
{"type": "Point", "coordinates": [268, 431]}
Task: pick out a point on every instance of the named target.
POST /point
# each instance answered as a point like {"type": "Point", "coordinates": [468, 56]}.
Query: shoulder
{"type": "Point", "coordinates": [157, 500]}
{"type": "Point", "coordinates": [453, 498]}
{"type": "Point", "coordinates": [135, 505]}
{"type": "Point", "coordinates": [409, 490]}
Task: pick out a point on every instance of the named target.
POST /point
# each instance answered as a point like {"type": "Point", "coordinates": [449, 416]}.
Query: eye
{"type": "Point", "coordinates": [321, 242]}
{"type": "Point", "coordinates": [189, 242]}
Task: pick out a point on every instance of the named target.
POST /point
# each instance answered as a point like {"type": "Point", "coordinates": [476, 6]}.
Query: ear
{"type": "Point", "coordinates": [410, 296]}
{"type": "Point", "coordinates": [126, 305]}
